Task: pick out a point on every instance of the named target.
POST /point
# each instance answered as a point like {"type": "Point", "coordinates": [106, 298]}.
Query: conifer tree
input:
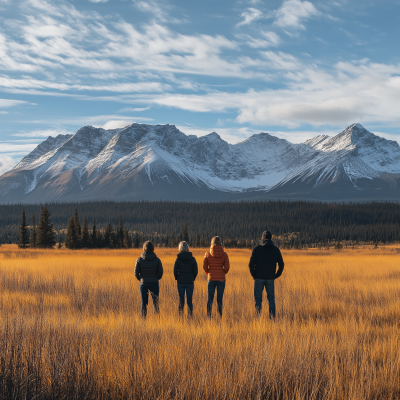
{"type": "Point", "coordinates": [93, 236]}
{"type": "Point", "coordinates": [32, 238]}
{"type": "Point", "coordinates": [119, 234]}
{"type": "Point", "coordinates": [127, 242]}
{"type": "Point", "coordinates": [59, 243]}
{"type": "Point", "coordinates": [172, 239]}
{"type": "Point", "coordinates": [152, 238]}
{"type": "Point", "coordinates": [23, 232]}
{"type": "Point", "coordinates": [185, 235]}
{"type": "Point", "coordinates": [166, 240]}
{"type": "Point", "coordinates": [71, 241]}
{"type": "Point", "coordinates": [136, 243]}
{"type": "Point", "coordinates": [108, 236]}
{"type": "Point", "coordinates": [45, 232]}
{"type": "Point", "coordinates": [85, 237]}
{"type": "Point", "coordinates": [143, 238]}
{"type": "Point", "coordinates": [77, 224]}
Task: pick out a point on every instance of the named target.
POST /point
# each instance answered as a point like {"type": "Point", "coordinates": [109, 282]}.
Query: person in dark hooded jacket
{"type": "Point", "coordinates": [149, 270]}
{"type": "Point", "coordinates": [185, 272]}
{"type": "Point", "coordinates": [262, 266]}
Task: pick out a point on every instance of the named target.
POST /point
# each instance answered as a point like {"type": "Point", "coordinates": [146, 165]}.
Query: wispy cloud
{"type": "Point", "coordinates": [130, 109]}
{"type": "Point", "coordinates": [5, 103]}
{"type": "Point", "coordinates": [42, 133]}
{"type": "Point", "coordinates": [250, 15]}
{"type": "Point", "coordinates": [353, 92]}
{"type": "Point", "coordinates": [293, 12]}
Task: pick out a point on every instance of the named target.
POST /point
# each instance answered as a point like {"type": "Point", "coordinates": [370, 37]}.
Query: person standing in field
{"type": "Point", "coordinates": [185, 272]}
{"type": "Point", "coordinates": [149, 270]}
{"type": "Point", "coordinates": [216, 266]}
{"type": "Point", "coordinates": [262, 266]}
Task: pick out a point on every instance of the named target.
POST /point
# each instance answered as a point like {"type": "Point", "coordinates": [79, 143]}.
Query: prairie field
{"type": "Point", "coordinates": [70, 328]}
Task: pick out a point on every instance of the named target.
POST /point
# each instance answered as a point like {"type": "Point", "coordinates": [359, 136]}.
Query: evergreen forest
{"type": "Point", "coordinates": [239, 224]}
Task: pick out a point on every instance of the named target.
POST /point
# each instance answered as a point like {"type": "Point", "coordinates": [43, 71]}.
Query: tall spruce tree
{"type": "Point", "coordinates": [32, 238]}
{"type": "Point", "coordinates": [45, 232]}
{"type": "Point", "coordinates": [136, 243]}
{"type": "Point", "coordinates": [166, 240]}
{"type": "Point", "coordinates": [119, 234]}
{"type": "Point", "coordinates": [77, 224]}
{"type": "Point", "coordinates": [23, 232]}
{"type": "Point", "coordinates": [93, 235]}
{"type": "Point", "coordinates": [108, 236]}
{"type": "Point", "coordinates": [127, 241]}
{"type": "Point", "coordinates": [85, 236]}
{"type": "Point", "coordinates": [71, 240]}
{"type": "Point", "coordinates": [185, 233]}
{"type": "Point", "coordinates": [59, 242]}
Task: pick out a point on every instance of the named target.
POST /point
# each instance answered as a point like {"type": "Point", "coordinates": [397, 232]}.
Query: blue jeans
{"type": "Point", "coordinates": [269, 285]}
{"type": "Point", "coordinates": [188, 288]}
{"type": "Point", "coordinates": [220, 286]}
{"type": "Point", "coordinates": [154, 289]}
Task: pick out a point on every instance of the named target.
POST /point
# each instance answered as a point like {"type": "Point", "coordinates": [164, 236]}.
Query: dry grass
{"type": "Point", "coordinates": [70, 328]}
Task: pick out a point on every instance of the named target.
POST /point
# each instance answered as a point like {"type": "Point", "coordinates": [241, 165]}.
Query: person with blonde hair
{"type": "Point", "coordinates": [185, 272]}
{"type": "Point", "coordinates": [149, 270]}
{"type": "Point", "coordinates": [216, 266]}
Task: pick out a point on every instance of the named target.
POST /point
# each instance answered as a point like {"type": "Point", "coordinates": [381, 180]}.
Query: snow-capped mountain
{"type": "Point", "coordinates": [160, 162]}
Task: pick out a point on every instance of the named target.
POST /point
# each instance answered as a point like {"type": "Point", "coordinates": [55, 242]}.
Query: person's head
{"type": "Point", "coordinates": [183, 246]}
{"type": "Point", "coordinates": [216, 241]}
{"type": "Point", "coordinates": [148, 247]}
{"type": "Point", "coordinates": [267, 235]}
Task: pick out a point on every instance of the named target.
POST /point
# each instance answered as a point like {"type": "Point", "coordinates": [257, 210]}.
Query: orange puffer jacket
{"type": "Point", "coordinates": [216, 263]}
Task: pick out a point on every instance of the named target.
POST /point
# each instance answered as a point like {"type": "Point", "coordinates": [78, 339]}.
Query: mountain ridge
{"type": "Point", "coordinates": [159, 162]}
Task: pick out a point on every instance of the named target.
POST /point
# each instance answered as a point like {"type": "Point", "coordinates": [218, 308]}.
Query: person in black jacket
{"type": "Point", "coordinates": [185, 271]}
{"type": "Point", "coordinates": [149, 270]}
{"type": "Point", "coordinates": [262, 266]}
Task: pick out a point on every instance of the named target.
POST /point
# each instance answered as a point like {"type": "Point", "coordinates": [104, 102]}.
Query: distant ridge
{"type": "Point", "coordinates": [159, 162]}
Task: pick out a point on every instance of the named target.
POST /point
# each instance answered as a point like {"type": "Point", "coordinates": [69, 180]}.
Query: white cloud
{"type": "Point", "coordinates": [250, 15]}
{"type": "Point", "coordinates": [29, 83]}
{"type": "Point", "coordinates": [43, 133]}
{"type": "Point", "coordinates": [6, 164]}
{"type": "Point", "coordinates": [156, 8]}
{"type": "Point", "coordinates": [115, 124]}
{"type": "Point", "coordinates": [354, 92]}
{"type": "Point", "coordinates": [268, 39]}
{"type": "Point", "coordinates": [5, 103]}
{"type": "Point", "coordinates": [130, 109]}
{"type": "Point", "coordinates": [9, 147]}
{"type": "Point", "coordinates": [293, 12]}
{"type": "Point", "coordinates": [281, 61]}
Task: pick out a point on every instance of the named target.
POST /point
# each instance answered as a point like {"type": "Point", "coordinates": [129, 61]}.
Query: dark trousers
{"type": "Point", "coordinates": [187, 288]}
{"type": "Point", "coordinates": [154, 289]}
{"type": "Point", "coordinates": [269, 285]}
{"type": "Point", "coordinates": [220, 286]}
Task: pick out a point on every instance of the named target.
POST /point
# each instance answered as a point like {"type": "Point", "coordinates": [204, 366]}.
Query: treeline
{"type": "Point", "coordinates": [239, 224]}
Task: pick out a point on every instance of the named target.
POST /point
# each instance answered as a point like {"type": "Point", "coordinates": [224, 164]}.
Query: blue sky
{"type": "Point", "coordinates": [292, 68]}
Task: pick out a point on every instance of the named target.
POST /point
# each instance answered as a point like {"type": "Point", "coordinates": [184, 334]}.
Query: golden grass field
{"type": "Point", "coordinates": [71, 329]}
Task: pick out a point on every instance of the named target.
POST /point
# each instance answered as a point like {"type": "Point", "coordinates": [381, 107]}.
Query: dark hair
{"type": "Point", "coordinates": [267, 235]}
{"type": "Point", "coordinates": [148, 246]}
{"type": "Point", "coordinates": [216, 241]}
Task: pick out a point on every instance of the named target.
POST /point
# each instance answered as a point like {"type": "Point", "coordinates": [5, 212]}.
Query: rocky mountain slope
{"type": "Point", "coordinates": [159, 162]}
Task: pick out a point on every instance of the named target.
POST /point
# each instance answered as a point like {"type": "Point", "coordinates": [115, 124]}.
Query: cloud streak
{"type": "Point", "coordinates": [294, 12]}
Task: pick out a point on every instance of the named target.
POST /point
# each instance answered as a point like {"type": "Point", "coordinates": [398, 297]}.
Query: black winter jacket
{"type": "Point", "coordinates": [263, 261]}
{"type": "Point", "coordinates": [148, 268]}
{"type": "Point", "coordinates": [185, 268]}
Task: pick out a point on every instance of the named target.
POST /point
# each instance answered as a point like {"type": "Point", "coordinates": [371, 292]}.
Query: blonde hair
{"type": "Point", "coordinates": [183, 246]}
{"type": "Point", "coordinates": [216, 241]}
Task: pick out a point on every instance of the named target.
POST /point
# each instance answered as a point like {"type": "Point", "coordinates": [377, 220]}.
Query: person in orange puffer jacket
{"type": "Point", "coordinates": [216, 266]}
